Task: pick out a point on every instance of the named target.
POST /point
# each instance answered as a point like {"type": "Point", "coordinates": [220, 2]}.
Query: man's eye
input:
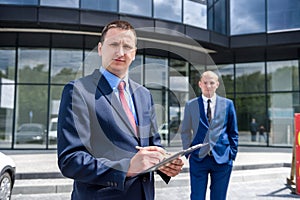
{"type": "Point", "coordinates": [114, 44]}
{"type": "Point", "coordinates": [127, 47]}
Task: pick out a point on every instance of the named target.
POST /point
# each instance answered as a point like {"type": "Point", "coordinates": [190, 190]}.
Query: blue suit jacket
{"type": "Point", "coordinates": [222, 131]}
{"type": "Point", "coordinates": [96, 140]}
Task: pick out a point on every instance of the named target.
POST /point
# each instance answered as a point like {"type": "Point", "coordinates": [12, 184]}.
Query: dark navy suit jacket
{"type": "Point", "coordinates": [222, 131]}
{"type": "Point", "coordinates": [96, 140]}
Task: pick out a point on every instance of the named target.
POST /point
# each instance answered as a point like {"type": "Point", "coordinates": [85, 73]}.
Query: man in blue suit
{"type": "Point", "coordinates": [107, 131]}
{"type": "Point", "coordinates": [210, 119]}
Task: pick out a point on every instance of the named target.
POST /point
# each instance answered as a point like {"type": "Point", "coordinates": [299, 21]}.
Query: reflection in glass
{"type": "Point", "coordinates": [226, 72]}
{"type": "Point", "coordinates": [283, 15]}
{"type": "Point", "coordinates": [168, 10]}
{"type": "Point", "coordinates": [7, 63]}
{"type": "Point", "coordinates": [283, 75]}
{"type": "Point", "coordinates": [195, 14]}
{"type": "Point", "coordinates": [19, 2]}
{"type": "Point", "coordinates": [136, 69]}
{"type": "Point", "coordinates": [55, 95]}
{"type": "Point", "coordinates": [247, 17]}
{"type": "Point", "coordinates": [178, 95]}
{"type": "Point", "coordinates": [156, 72]}
{"type": "Point", "coordinates": [7, 97]}
{"type": "Point", "coordinates": [60, 3]}
{"type": "Point", "coordinates": [135, 7]}
{"type": "Point", "coordinates": [66, 65]}
{"type": "Point", "coordinates": [33, 65]}
{"type": "Point", "coordinates": [31, 111]}
{"type": "Point", "coordinates": [105, 5]}
{"type": "Point", "coordinates": [250, 106]}
{"type": "Point", "coordinates": [281, 113]}
{"type": "Point", "coordinates": [250, 77]}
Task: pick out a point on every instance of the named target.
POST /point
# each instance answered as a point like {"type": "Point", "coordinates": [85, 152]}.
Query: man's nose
{"type": "Point", "coordinates": [120, 50]}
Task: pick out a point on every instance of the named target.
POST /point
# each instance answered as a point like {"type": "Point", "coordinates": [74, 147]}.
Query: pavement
{"type": "Point", "coordinates": [258, 173]}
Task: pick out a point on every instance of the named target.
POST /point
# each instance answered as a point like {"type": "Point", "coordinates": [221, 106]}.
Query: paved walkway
{"type": "Point", "coordinates": [259, 173]}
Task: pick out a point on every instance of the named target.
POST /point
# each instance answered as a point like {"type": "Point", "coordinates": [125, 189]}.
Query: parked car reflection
{"type": "Point", "coordinates": [53, 131]}
{"type": "Point", "coordinates": [7, 176]}
{"type": "Point", "coordinates": [31, 133]}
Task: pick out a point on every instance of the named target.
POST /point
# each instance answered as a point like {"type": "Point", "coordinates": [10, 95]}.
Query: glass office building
{"type": "Point", "coordinates": [253, 45]}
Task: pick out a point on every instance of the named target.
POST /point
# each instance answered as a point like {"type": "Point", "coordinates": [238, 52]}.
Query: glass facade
{"type": "Point", "coordinates": [227, 17]}
{"type": "Point", "coordinates": [246, 17]}
{"type": "Point", "coordinates": [134, 7]}
{"type": "Point", "coordinates": [32, 78]}
{"type": "Point", "coordinates": [104, 5]}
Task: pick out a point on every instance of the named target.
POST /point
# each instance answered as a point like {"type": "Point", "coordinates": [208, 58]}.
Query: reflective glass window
{"type": "Point", "coordinates": [33, 65]}
{"type": "Point", "coordinates": [111, 5]}
{"type": "Point", "coordinates": [250, 77]}
{"type": "Point", "coordinates": [19, 2]}
{"type": "Point", "coordinates": [31, 116]}
{"type": "Point", "coordinates": [7, 63]}
{"type": "Point", "coordinates": [156, 72]}
{"type": "Point", "coordinates": [283, 75]}
{"type": "Point", "coordinates": [135, 7]}
{"type": "Point", "coordinates": [283, 14]}
{"type": "Point", "coordinates": [60, 3]}
{"type": "Point", "coordinates": [227, 77]}
{"type": "Point", "coordinates": [195, 13]}
{"type": "Point", "coordinates": [220, 17]}
{"type": "Point", "coordinates": [55, 95]}
{"type": "Point", "coordinates": [136, 69]}
{"type": "Point", "coordinates": [247, 17]}
{"type": "Point", "coordinates": [281, 117]}
{"type": "Point", "coordinates": [249, 106]}
{"type": "Point", "coordinates": [168, 10]}
{"type": "Point", "coordinates": [66, 65]}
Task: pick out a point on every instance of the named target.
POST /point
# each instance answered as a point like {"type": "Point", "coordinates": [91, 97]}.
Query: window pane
{"type": "Point", "coordinates": [169, 10]}
{"type": "Point", "coordinates": [283, 76]}
{"type": "Point", "coordinates": [156, 72]}
{"type": "Point", "coordinates": [19, 2]}
{"type": "Point", "coordinates": [33, 65]}
{"type": "Point", "coordinates": [60, 3]}
{"type": "Point", "coordinates": [135, 7]}
{"type": "Point", "coordinates": [7, 63]}
{"type": "Point", "coordinates": [220, 17]}
{"type": "Point", "coordinates": [55, 95]}
{"type": "Point", "coordinates": [250, 77]}
{"type": "Point", "coordinates": [136, 69]}
{"type": "Point", "coordinates": [178, 96]}
{"type": "Point", "coordinates": [195, 14]}
{"type": "Point", "coordinates": [226, 72]}
{"type": "Point", "coordinates": [66, 65]}
{"type": "Point", "coordinates": [247, 17]}
{"type": "Point", "coordinates": [281, 113]}
{"type": "Point", "coordinates": [283, 14]}
{"type": "Point", "coordinates": [7, 98]}
{"type": "Point", "coordinates": [248, 107]}
{"type": "Point", "coordinates": [105, 5]}
{"type": "Point", "coordinates": [31, 113]}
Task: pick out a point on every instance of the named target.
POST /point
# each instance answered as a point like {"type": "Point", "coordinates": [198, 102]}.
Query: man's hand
{"type": "Point", "coordinates": [172, 168]}
{"type": "Point", "coordinates": [145, 158]}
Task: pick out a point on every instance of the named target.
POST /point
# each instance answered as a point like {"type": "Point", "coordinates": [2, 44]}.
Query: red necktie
{"type": "Point", "coordinates": [126, 107]}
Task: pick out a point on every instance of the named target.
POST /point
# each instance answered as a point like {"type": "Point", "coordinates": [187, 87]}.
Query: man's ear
{"type": "Point", "coordinates": [100, 49]}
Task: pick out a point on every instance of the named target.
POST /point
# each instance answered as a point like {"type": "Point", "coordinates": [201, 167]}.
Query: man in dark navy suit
{"type": "Point", "coordinates": [210, 119]}
{"type": "Point", "coordinates": [107, 131]}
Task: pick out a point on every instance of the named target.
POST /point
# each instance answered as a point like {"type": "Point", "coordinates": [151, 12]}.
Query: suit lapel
{"type": "Point", "coordinates": [105, 89]}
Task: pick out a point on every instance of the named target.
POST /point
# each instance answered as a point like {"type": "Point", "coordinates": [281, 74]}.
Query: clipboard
{"type": "Point", "coordinates": [173, 157]}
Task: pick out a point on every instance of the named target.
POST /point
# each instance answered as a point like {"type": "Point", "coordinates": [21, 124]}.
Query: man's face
{"type": "Point", "coordinates": [117, 51]}
{"type": "Point", "coordinates": [208, 84]}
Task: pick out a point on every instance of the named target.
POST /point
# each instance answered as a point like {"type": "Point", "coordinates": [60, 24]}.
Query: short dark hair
{"type": "Point", "coordinates": [117, 24]}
